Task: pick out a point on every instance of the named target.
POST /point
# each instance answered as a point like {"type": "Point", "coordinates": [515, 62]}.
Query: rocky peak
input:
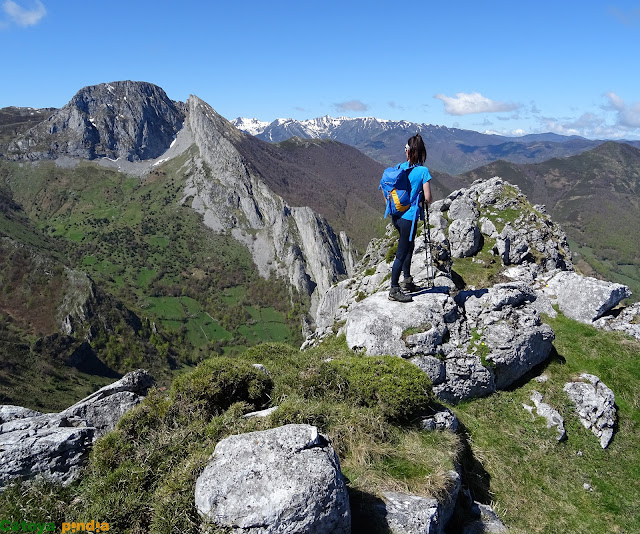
{"type": "Point", "coordinates": [487, 337]}
{"type": "Point", "coordinates": [129, 120]}
{"type": "Point", "coordinates": [232, 195]}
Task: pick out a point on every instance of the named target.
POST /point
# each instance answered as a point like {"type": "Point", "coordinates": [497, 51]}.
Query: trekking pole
{"type": "Point", "coordinates": [427, 246]}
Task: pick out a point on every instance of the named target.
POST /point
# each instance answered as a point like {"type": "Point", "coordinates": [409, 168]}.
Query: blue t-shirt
{"type": "Point", "coordinates": [418, 177]}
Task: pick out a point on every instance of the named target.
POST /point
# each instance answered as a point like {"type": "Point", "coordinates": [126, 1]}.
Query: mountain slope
{"type": "Point", "coordinates": [189, 241]}
{"type": "Point", "coordinates": [332, 178]}
{"type": "Point", "coordinates": [15, 121]}
{"type": "Point", "coordinates": [594, 196]}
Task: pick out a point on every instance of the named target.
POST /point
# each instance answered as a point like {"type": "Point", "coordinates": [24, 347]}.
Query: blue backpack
{"type": "Point", "coordinates": [396, 188]}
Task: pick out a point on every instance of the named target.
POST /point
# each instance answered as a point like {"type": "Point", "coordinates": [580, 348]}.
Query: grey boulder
{"type": "Point", "coordinates": [442, 419]}
{"type": "Point", "coordinates": [583, 298]}
{"type": "Point", "coordinates": [464, 238]}
{"type": "Point", "coordinates": [282, 480]}
{"type": "Point", "coordinates": [595, 406]}
{"type": "Point", "coordinates": [512, 245]}
{"type": "Point", "coordinates": [487, 523]}
{"type": "Point", "coordinates": [56, 445]}
{"type": "Point", "coordinates": [404, 513]}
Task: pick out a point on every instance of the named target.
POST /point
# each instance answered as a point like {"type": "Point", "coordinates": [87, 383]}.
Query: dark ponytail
{"type": "Point", "coordinates": [417, 150]}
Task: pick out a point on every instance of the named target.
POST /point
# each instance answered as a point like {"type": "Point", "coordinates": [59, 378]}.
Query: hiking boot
{"type": "Point", "coordinates": [408, 285]}
{"type": "Point", "coordinates": [399, 296]}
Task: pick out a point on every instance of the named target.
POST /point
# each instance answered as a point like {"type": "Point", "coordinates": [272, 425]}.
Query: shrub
{"type": "Point", "coordinates": [400, 390]}
{"type": "Point", "coordinates": [219, 382]}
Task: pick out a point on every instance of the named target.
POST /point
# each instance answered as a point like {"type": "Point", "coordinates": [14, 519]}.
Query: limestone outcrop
{"type": "Point", "coordinates": [469, 346]}
{"type": "Point", "coordinates": [282, 480]}
{"type": "Point", "coordinates": [56, 445]}
{"type": "Point", "coordinates": [294, 242]}
{"type": "Point", "coordinates": [484, 339]}
{"type": "Point", "coordinates": [595, 405]}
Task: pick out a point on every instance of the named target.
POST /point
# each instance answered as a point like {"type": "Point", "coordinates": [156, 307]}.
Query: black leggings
{"type": "Point", "coordinates": [406, 244]}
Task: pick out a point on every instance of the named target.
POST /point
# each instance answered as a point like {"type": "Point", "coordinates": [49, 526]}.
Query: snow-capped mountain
{"type": "Point", "coordinates": [344, 129]}
{"type": "Point", "coordinates": [250, 126]}
{"type": "Point", "coordinates": [450, 150]}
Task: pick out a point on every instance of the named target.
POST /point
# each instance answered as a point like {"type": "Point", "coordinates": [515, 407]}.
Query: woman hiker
{"type": "Point", "coordinates": [405, 222]}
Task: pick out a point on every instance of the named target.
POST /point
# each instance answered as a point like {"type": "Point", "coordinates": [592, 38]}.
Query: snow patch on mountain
{"type": "Point", "coordinates": [250, 126]}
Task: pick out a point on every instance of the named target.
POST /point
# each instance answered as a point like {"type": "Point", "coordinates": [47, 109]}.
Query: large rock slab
{"type": "Point", "coordinates": [583, 298]}
{"type": "Point", "coordinates": [49, 445]}
{"type": "Point", "coordinates": [381, 326]}
{"type": "Point", "coordinates": [283, 480]}
{"type": "Point", "coordinates": [56, 445]}
{"type": "Point", "coordinates": [104, 408]}
{"type": "Point", "coordinates": [595, 405]}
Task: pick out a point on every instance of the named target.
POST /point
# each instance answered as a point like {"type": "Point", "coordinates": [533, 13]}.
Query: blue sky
{"type": "Point", "coordinates": [570, 67]}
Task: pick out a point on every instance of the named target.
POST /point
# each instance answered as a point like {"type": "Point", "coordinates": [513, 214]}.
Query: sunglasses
{"type": "Point", "coordinates": [406, 147]}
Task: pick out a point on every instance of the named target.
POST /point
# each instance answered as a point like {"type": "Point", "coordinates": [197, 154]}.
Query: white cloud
{"type": "Point", "coordinates": [352, 105]}
{"type": "Point", "coordinates": [467, 103]}
{"type": "Point", "coordinates": [587, 125]}
{"type": "Point", "coordinates": [24, 17]}
{"type": "Point", "coordinates": [518, 132]}
{"type": "Point", "coordinates": [628, 116]}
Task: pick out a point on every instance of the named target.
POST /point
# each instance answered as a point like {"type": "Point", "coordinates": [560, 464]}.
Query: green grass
{"type": "Point", "coordinates": [134, 239]}
{"type": "Point", "coordinates": [141, 476]}
{"type": "Point", "coordinates": [481, 270]}
{"type": "Point", "coordinates": [537, 483]}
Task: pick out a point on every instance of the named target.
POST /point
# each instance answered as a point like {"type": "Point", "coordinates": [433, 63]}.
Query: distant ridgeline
{"type": "Point", "coordinates": [450, 150]}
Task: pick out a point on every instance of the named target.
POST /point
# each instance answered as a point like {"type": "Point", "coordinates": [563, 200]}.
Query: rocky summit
{"type": "Point", "coordinates": [129, 120]}
{"type": "Point", "coordinates": [475, 341]}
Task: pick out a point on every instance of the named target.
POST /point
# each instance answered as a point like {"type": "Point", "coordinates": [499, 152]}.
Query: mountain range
{"type": "Point", "coordinates": [450, 150]}
{"type": "Point", "coordinates": [201, 235]}
{"type": "Point", "coordinates": [138, 231]}
{"type": "Point", "coordinates": [169, 214]}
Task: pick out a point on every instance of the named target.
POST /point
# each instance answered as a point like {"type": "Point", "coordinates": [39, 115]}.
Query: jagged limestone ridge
{"type": "Point", "coordinates": [289, 241]}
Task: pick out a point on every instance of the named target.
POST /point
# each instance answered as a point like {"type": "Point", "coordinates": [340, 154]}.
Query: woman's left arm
{"type": "Point", "coordinates": [426, 188]}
